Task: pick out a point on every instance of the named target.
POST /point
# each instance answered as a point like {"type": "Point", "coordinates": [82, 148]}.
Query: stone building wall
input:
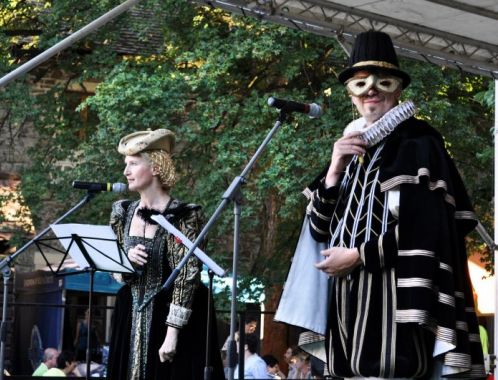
{"type": "Point", "coordinates": [15, 141]}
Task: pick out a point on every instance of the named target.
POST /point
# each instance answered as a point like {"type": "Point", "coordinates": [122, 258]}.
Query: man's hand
{"type": "Point", "coordinates": [339, 261]}
{"type": "Point", "coordinates": [344, 150]}
{"type": "Point", "coordinates": [168, 349]}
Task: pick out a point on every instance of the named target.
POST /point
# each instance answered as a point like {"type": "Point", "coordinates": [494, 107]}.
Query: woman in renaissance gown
{"type": "Point", "coordinates": [167, 339]}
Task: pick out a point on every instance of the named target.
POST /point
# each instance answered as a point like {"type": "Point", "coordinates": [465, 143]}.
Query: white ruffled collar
{"type": "Point", "coordinates": [377, 131]}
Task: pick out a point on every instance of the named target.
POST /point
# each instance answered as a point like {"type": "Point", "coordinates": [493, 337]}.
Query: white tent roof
{"type": "Point", "coordinates": [461, 34]}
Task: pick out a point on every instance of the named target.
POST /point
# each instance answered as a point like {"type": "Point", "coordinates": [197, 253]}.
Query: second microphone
{"type": "Point", "coordinates": [313, 110]}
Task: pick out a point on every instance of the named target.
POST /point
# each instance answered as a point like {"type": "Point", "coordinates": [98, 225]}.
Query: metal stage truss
{"type": "Point", "coordinates": [458, 34]}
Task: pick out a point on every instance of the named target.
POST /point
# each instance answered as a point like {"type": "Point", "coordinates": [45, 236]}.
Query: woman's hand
{"type": "Point", "coordinates": [344, 149]}
{"type": "Point", "coordinates": [168, 349]}
{"type": "Point", "coordinates": [339, 261]}
{"type": "Point", "coordinates": [137, 255]}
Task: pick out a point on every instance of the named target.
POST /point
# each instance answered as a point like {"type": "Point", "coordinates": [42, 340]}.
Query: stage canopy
{"type": "Point", "coordinates": [461, 34]}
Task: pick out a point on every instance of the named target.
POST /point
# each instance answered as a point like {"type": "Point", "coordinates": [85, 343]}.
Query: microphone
{"type": "Point", "coordinates": [96, 186]}
{"type": "Point", "coordinates": [313, 110]}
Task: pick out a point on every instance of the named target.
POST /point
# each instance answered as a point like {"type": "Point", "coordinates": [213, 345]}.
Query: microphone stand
{"type": "Point", "coordinates": [208, 369]}
{"type": "Point", "coordinates": [6, 273]}
{"type": "Point", "coordinates": [233, 193]}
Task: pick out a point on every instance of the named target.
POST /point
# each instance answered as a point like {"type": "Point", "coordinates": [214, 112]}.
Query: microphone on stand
{"type": "Point", "coordinates": [97, 186]}
{"type": "Point", "coordinates": [313, 110]}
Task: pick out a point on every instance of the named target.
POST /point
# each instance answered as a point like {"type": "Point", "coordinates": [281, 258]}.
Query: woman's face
{"type": "Point", "coordinates": [302, 364]}
{"type": "Point", "coordinates": [139, 172]}
{"type": "Point", "coordinates": [251, 327]}
{"type": "Point", "coordinates": [288, 355]}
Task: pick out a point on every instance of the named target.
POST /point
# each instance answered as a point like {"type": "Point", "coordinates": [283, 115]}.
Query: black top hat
{"type": "Point", "coordinates": [374, 51]}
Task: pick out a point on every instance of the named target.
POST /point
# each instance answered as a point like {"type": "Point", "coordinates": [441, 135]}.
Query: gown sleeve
{"type": "Point", "coordinates": [188, 279]}
{"type": "Point", "coordinates": [117, 221]}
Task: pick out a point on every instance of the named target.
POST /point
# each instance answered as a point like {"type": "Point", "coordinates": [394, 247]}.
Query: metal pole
{"type": "Point", "coordinates": [89, 331]}
{"type": "Point", "coordinates": [495, 327]}
{"type": "Point", "coordinates": [232, 348]}
{"type": "Point", "coordinates": [66, 42]}
{"type": "Point", "coordinates": [3, 326]}
{"type": "Point", "coordinates": [208, 368]}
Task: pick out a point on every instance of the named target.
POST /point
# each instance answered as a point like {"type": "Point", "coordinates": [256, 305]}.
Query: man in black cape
{"type": "Point", "coordinates": [394, 213]}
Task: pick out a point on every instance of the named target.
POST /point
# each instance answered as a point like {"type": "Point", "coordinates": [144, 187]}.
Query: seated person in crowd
{"type": "Point", "coordinates": [66, 364]}
{"type": "Point", "coordinates": [254, 366]}
{"type": "Point", "coordinates": [49, 361]}
{"type": "Point", "coordinates": [303, 365]}
{"type": "Point", "coordinates": [290, 357]}
{"type": "Point", "coordinates": [272, 367]}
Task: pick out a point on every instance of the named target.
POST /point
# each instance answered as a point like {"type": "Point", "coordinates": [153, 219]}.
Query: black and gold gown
{"type": "Point", "coordinates": [138, 335]}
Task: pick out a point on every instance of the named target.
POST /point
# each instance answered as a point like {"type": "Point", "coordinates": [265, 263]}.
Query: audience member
{"type": "Point", "coordinates": [251, 324]}
{"type": "Point", "coordinates": [66, 364]}
{"type": "Point", "coordinates": [49, 361]}
{"type": "Point", "coordinates": [272, 367]}
{"type": "Point", "coordinates": [96, 369]}
{"type": "Point", "coordinates": [483, 334]}
{"type": "Point", "coordinates": [254, 366]}
{"type": "Point", "coordinates": [81, 339]}
{"type": "Point", "coordinates": [303, 365]}
{"type": "Point", "coordinates": [290, 358]}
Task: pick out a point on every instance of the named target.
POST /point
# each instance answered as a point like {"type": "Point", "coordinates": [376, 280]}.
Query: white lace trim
{"type": "Point", "coordinates": [377, 131]}
{"type": "Point", "coordinates": [178, 315]}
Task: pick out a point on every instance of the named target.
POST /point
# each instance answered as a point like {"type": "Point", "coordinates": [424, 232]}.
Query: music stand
{"type": "Point", "coordinates": [93, 248]}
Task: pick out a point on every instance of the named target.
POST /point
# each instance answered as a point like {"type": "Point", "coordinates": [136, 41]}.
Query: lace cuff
{"type": "Point", "coordinates": [178, 316]}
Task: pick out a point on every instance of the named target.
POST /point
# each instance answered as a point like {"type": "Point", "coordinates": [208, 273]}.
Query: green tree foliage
{"type": "Point", "coordinates": [209, 82]}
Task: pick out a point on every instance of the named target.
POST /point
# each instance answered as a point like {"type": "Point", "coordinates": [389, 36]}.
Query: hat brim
{"type": "Point", "coordinates": [142, 141]}
{"type": "Point", "coordinates": [350, 71]}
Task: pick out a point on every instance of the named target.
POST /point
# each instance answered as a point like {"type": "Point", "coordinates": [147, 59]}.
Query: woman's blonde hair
{"type": "Point", "coordinates": [164, 164]}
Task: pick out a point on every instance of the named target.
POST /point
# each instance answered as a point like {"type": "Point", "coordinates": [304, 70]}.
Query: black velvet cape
{"type": "Point", "coordinates": [433, 197]}
{"type": "Point", "coordinates": [435, 215]}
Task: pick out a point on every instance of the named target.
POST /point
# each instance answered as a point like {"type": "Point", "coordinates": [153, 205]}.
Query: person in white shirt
{"type": "Point", "coordinates": [254, 365]}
